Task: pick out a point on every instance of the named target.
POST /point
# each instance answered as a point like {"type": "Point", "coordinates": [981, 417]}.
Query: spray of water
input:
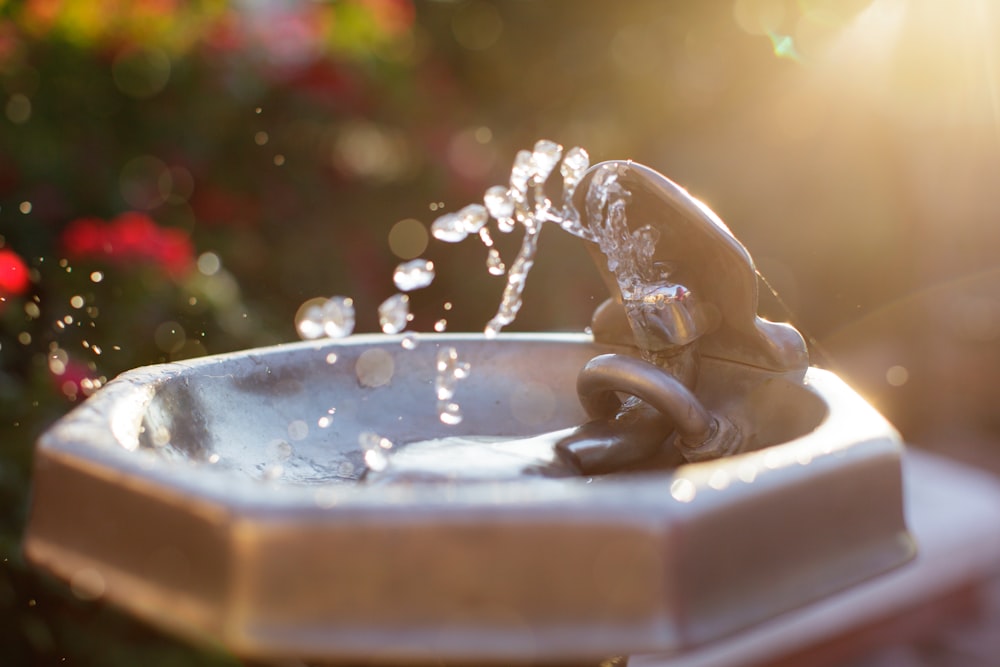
{"type": "Point", "coordinates": [524, 203]}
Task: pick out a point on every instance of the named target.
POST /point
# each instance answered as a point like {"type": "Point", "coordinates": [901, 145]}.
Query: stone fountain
{"type": "Point", "coordinates": [679, 476]}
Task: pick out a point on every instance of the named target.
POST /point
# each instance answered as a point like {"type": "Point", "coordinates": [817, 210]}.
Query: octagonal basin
{"type": "Point", "coordinates": [224, 498]}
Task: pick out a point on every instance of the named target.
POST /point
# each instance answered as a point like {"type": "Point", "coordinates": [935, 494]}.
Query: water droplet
{"type": "Point", "coordinates": [375, 448]}
{"type": "Point", "coordinates": [310, 324]}
{"type": "Point", "coordinates": [412, 275]}
{"type": "Point", "coordinates": [376, 460]}
{"type": "Point", "coordinates": [449, 228]}
{"type": "Point", "coordinates": [682, 490]}
{"type": "Point", "coordinates": [573, 166]}
{"type": "Point", "coordinates": [449, 413]}
{"type": "Point", "coordinates": [76, 301]}
{"type": "Point", "coordinates": [444, 388]}
{"type": "Point", "coordinates": [747, 472]}
{"type": "Point", "coordinates": [214, 458]}
{"type": "Point", "coordinates": [521, 172]}
{"type": "Point", "coordinates": [498, 202]}
{"type": "Point", "coordinates": [447, 305]}
{"type": "Point", "coordinates": [324, 422]}
{"type": "Point", "coordinates": [333, 317]}
{"type": "Point", "coordinates": [338, 316]}
{"type": "Point", "coordinates": [96, 276]}
{"type": "Point", "coordinates": [24, 207]}
{"type": "Point", "coordinates": [719, 480]}
{"type": "Point", "coordinates": [409, 341]}
{"type": "Point", "coordinates": [494, 263]}
{"type": "Point", "coordinates": [331, 358]}
{"type": "Point", "coordinates": [473, 217]}
{"type": "Point", "coordinates": [446, 357]}
{"type": "Point", "coordinates": [544, 158]}
{"type": "Point", "coordinates": [441, 325]}
{"type": "Point", "coordinates": [394, 313]}
{"type": "Point", "coordinates": [450, 369]}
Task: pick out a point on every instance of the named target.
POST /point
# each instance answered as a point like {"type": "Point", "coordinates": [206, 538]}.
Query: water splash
{"type": "Point", "coordinates": [409, 341]}
{"type": "Point", "coordinates": [525, 203]}
{"type": "Point", "coordinates": [394, 313]}
{"type": "Point", "coordinates": [413, 275]}
{"type": "Point", "coordinates": [450, 371]}
{"type": "Point", "coordinates": [376, 449]}
{"type": "Point", "coordinates": [333, 317]}
{"type": "Point", "coordinates": [629, 253]}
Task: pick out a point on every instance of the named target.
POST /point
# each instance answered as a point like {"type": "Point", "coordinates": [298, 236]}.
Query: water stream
{"type": "Point", "coordinates": [524, 202]}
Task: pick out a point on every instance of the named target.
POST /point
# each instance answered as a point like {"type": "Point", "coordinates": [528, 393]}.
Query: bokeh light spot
{"type": "Point", "coordinates": [176, 185]}
{"type": "Point", "coordinates": [18, 109]}
{"type": "Point", "coordinates": [468, 155]}
{"type": "Point", "coordinates": [897, 376]}
{"type": "Point", "coordinates": [408, 238]}
{"type": "Point", "coordinates": [87, 584]}
{"type": "Point", "coordinates": [141, 72]}
{"type": "Point", "coordinates": [143, 182]}
{"type": "Point", "coordinates": [477, 25]}
{"type": "Point", "coordinates": [169, 337]}
{"type": "Point", "coordinates": [375, 367]}
{"type": "Point", "coordinates": [209, 263]}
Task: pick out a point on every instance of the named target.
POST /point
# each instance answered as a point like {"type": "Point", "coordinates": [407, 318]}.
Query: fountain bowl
{"type": "Point", "coordinates": [223, 499]}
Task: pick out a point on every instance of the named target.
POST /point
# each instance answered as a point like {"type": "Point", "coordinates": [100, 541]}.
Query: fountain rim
{"type": "Point", "coordinates": [85, 439]}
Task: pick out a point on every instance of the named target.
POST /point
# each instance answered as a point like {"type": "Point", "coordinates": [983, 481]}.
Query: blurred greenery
{"type": "Point", "coordinates": [264, 151]}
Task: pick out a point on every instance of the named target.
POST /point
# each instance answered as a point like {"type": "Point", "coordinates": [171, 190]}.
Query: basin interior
{"type": "Point", "coordinates": [297, 414]}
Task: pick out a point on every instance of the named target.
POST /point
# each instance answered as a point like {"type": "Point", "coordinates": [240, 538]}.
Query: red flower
{"type": "Point", "coordinates": [84, 237]}
{"type": "Point", "coordinates": [14, 279]}
{"type": "Point", "coordinates": [131, 238]}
